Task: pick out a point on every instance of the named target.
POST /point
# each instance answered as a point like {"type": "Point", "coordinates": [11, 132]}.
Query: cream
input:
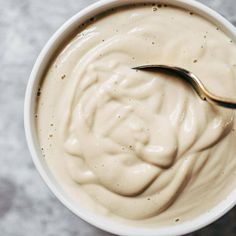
{"type": "Point", "coordinates": [140, 145]}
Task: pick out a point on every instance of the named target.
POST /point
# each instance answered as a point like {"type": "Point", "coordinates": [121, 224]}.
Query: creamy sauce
{"type": "Point", "coordinates": [141, 145]}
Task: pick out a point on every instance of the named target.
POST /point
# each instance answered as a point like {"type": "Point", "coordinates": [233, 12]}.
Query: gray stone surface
{"type": "Point", "coordinates": [27, 207]}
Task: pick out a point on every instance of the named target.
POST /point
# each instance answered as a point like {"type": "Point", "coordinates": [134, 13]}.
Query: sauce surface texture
{"type": "Point", "coordinates": [139, 145]}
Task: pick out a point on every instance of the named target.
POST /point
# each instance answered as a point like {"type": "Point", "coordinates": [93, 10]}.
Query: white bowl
{"type": "Point", "coordinates": [30, 130]}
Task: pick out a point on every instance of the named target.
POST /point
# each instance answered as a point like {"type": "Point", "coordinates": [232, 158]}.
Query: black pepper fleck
{"type": "Point", "coordinates": [63, 76]}
{"type": "Point", "coordinates": [39, 92]}
{"type": "Point", "coordinates": [195, 61]}
{"type": "Point", "coordinates": [191, 13]}
{"type": "Point", "coordinates": [176, 220]}
{"type": "Point", "coordinates": [154, 8]}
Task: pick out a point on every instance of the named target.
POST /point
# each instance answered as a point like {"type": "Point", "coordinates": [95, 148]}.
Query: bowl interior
{"type": "Point", "coordinates": [39, 70]}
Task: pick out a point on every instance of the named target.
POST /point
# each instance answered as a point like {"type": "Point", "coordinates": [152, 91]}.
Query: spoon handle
{"type": "Point", "coordinates": [195, 82]}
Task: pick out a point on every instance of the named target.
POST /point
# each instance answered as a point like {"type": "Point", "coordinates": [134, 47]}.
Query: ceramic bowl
{"type": "Point", "coordinates": [29, 120]}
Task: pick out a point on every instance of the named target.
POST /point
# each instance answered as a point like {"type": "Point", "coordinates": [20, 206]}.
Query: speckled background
{"type": "Point", "coordinates": [27, 207]}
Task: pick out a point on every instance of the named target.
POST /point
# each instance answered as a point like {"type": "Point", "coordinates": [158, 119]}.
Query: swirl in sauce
{"type": "Point", "coordinates": [137, 142]}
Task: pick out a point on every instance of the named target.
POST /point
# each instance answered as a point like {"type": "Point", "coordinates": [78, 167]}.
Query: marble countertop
{"type": "Point", "coordinates": [27, 207]}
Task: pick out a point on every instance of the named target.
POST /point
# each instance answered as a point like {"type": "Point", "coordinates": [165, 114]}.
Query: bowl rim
{"type": "Point", "coordinates": [39, 68]}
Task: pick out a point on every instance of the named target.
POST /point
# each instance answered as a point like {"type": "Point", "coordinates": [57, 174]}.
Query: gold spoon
{"type": "Point", "coordinates": [195, 82]}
